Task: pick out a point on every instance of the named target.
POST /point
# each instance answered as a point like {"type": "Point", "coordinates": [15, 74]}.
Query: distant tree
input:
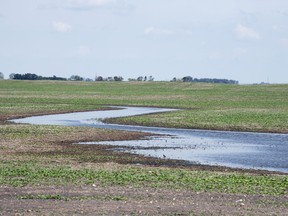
{"type": "Point", "coordinates": [11, 76]}
{"type": "Point", "coordinates": [88, 80]}
{"type": "Point", "coordinates": [17, 76]}
{"type": "Point", "coordinates": [31, 76]}
{"type": "Point", "coordinates": [1, 75]}
{"type": "Point", "coordinates": [140, 78]}
{"type": "Point", "coordinates": [27, 76]}
{"type": "Point", "coordinates": [118, 78]}
{"type": "Point", "coordinates": [55, 78]}
{"type": "Point", "coordinates": [131, 79]}
{"type": "Point", "coordinates": [145, 78]}
{"type": "Point", "coordinates": [187, 79]}
{"type": "Point", "coordinates": [208, 80]}
{"type": "Point", "coordinates": [151, 78]}
{"type": "Point", "coordinates": [76, 78]}
{"type": "Point", "coordinates": [99, 78]}
{"type": "Point", "coordinates": [174, 79]}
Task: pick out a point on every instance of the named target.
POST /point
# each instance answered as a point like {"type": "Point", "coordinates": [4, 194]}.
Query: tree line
{"type": "Point", "coordinates": [31, 76]}
{"type": "Point", "coordinates": [205, 80]}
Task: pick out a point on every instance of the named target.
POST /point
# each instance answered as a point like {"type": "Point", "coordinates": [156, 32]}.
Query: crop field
{"type": "Point", "coordinates": [209, 106]}
{"type": "Point", "coordinates": [43, 171]}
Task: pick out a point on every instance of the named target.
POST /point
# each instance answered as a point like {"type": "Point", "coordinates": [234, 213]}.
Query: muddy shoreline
{"type": "Point", "coordinates": [72, 142]}
{"type": "Point", "coordinates": [241, 146]}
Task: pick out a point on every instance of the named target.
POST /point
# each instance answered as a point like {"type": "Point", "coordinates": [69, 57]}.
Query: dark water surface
{"type": "Point", "coordinates": [233, 149]}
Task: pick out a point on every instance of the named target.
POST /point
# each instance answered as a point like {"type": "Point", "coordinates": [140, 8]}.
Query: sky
{"type": "Point", "coordinates": [244, 40]}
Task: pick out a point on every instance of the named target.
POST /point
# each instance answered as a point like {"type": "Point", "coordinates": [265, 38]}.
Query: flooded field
{"type": "Point", "coordinates": [232, 149]}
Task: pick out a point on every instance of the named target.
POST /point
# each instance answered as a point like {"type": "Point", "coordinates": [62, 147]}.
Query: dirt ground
{"type": "Point", "coordinates": [94, 200]}
{"type": "Point", "coordinates": [100, 200]}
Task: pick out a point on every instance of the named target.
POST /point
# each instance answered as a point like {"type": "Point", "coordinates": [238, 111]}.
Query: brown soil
{"type": "Point", "coordinates": [94, 200]}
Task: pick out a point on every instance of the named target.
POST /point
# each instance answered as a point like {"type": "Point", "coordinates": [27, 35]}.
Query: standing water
{"type": "Point", "coordinates": [232, 149]}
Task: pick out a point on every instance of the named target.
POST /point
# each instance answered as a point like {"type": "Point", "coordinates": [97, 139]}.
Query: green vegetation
{"type": "Point", "coordinates": [209, 106]}
{"type": "Point", "coordinates": [29, 174]}
{"type": "Point", "coordinates": [47, 155]}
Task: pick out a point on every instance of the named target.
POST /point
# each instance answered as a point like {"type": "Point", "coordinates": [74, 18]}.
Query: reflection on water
{"type": "Point", "coordinates": [91, 118]}
{"type": "Point", "coordinates": [209, 151]}
{"type": "Point", "coordinates": [233, 149]}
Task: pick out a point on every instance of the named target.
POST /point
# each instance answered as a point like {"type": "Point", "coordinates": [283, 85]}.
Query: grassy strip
{"type": "Point", "coordinates": [19, 175]}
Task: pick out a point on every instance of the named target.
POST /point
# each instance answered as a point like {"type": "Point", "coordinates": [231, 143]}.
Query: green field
{"type": "Point", "coordinates": [47, 155]}
{"type": "Point", "coordinates": [207, 106]}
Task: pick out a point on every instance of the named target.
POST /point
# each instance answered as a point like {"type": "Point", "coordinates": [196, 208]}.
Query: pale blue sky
{"type": "Point", "coordinates": [244, 40]}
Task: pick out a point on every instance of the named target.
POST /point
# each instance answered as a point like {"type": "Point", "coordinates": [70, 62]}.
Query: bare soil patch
{"type": "Point", "coordinates": [94, 200]}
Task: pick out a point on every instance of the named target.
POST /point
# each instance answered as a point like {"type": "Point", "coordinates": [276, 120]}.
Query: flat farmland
{"type": "Point", "coordinates": [206, 106]}
{"type": "Point", "coordinates": [43, 171]}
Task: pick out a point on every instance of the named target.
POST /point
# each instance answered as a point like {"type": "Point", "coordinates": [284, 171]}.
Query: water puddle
{"type": "Point", "coordinates": [207, 151]}
{"type": "Point", "coordinates": [233, 149]}
{"type": "Point", "coordinates": [91, 118]}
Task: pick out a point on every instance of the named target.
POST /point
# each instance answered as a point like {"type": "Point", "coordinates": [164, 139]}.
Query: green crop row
{"type": "Point", "coordinates": [201, 181]}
